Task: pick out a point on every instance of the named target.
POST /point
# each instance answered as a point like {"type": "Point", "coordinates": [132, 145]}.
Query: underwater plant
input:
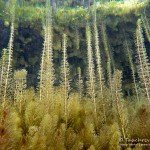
{"type": "Point", "coordinates": [129, 55]}
{"type": "Point", "coordinates": [91, 72]}
{"type": "Point", "coordinates": [80, 83]}
{"type": "Point", "coordinates": [98, 56]}
{"type": "Point", "coordinates": [107, 51]}
{"type": "Point", "coordinates": [46, 67]}
{"type": "Point", "coordinates": [143, 66]}
{"type": "Point", "coordinates": [8, 81]}
{"type": "Point", "coordinates": [3, 70]}
{"type": "Point", "coordinates": [20, 86]}
{"type": "Point", "coordinates": [65, 83]}
{"type": "Point", "coordinates": [118, 103]}
{"type": "Point", "coordinates": [146, 25]}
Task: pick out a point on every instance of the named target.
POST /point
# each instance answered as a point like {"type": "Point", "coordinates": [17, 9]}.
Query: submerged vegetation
{"type": "Point", "coordinates": [91, 113]}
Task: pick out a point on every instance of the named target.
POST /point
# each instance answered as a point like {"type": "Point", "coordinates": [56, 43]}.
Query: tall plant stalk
{"type": "Point", "coordinates": [80, 83]}
{"type": "Point", "coordinates": [42, 67]}
{"type": "Point", "coordinates": [20, 86]}
{"type": "Point", "coordinates": [46, 68]}
{"type": "Point", "coordinates": [98, 61]}
{"type": "Point", "coordinates": [3, 70]}
{"type": "Point", "coordinates": [129, 55]}
{"type": "Point", "coordinates": [65, 75]}
{"type": "Point", "coordinates": [146, 25]}
{"type": "Point", "coordinates": [91, 71]}
{"type": "Point", "coordinates": [144, 66]}
{"type": "Point", "coordinates": [106, 48]}
{"type": "Point", "coordinates": [118, 103]}
{"type": "Point", "coordinates": [8, 80]}
{"type": "Point", "coordinates": [98, 55]}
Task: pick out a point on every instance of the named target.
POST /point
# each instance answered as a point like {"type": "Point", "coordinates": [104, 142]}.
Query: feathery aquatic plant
{"type": "Point", "coordinates": [129, 55]}
{"type": "Point", "coordinates": [3, 70]}
{"type": "Point", "coordinates": [98, 56]}
{"type": "Point", "coordinates": [80, 83]}
{"type": "Point", "coordinates": [91, 71]}
{"type": "Point", "coordinates": [8, 81]}
{"type": "Point", "coordinates": [20, 86]}
{"type": "Point", "coordinates": [118, 102]}
{"type": "Point", "coordinates": [106, 48]}
{"type": "Point", "coordinates": [146, 25]}
{"type": "Point", "coordinates": [46, 68]}
{"type": "Point", "coordinates": [99, 68]}
{"type": "Point", "coordinates": [42, 68]}
{"type": "Point", "coordinates": [144, 66]}
{"type": "Point", "coordinates": [65, 75]}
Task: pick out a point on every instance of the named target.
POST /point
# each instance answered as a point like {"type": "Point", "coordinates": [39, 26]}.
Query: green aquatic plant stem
{"type": "Point", "coordinates": [8, 79]}
{"type": "Point", "coordinates": [20, 86]}
{"type": "Point", "coordinates": [3, 66]}
{"type": "Point", "coordinates": [80, 83]}
{"type": "Point", "coordinates": [144, 66]}
{"type": "Point", "coordinates": [146, 25]}
{"type": "Point", "coordinates": [46, 67]}
{"type": "Point", "coordinates": [98, 56]}
{"type": "Point", "coordinates": [107, 51]}
{"type": "Point", "coordinates": [129, 55]}
{"type": "Point", "coordinates": [118, 102]}
{"type": "Point", "coordinates": [42, 67]}
{"type": "Point", "coordinates": [65, 75]}
{"type": "Point", "coordinates": [99, 68]}
{"type": "Point", "coordinates": [91, 71]}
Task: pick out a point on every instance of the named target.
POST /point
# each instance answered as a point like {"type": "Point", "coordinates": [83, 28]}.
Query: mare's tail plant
{"type": "Point", "coordinates": [91, 71]}
{"type": "Point", "coordinates": [106, 48]}
{"type": "Point", "coordinates": [118, 103]}
{"type": "Point", "coordinates": [20, 86]}
{"type": "Point", "coordinates": [146, 25]}
{"type": "Point", "coordinates": [144, 66]}
{"type": "Point", "coordinates": [129, 55]}
{"type": "Point", "coordinates": [8, 81]}
{"type": "Point", "coordinates": [46, 67]}
{"type": "Point", "coordinates": [65, 75]}
{"type": "Point", "coordinates": [3, 70]}
{"type": "Point", "coordinates": [98, 56]}
{"type": "Point", "coordinates": [99, 68]}
{"type": "Point", "coordinates": [80, 83]}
